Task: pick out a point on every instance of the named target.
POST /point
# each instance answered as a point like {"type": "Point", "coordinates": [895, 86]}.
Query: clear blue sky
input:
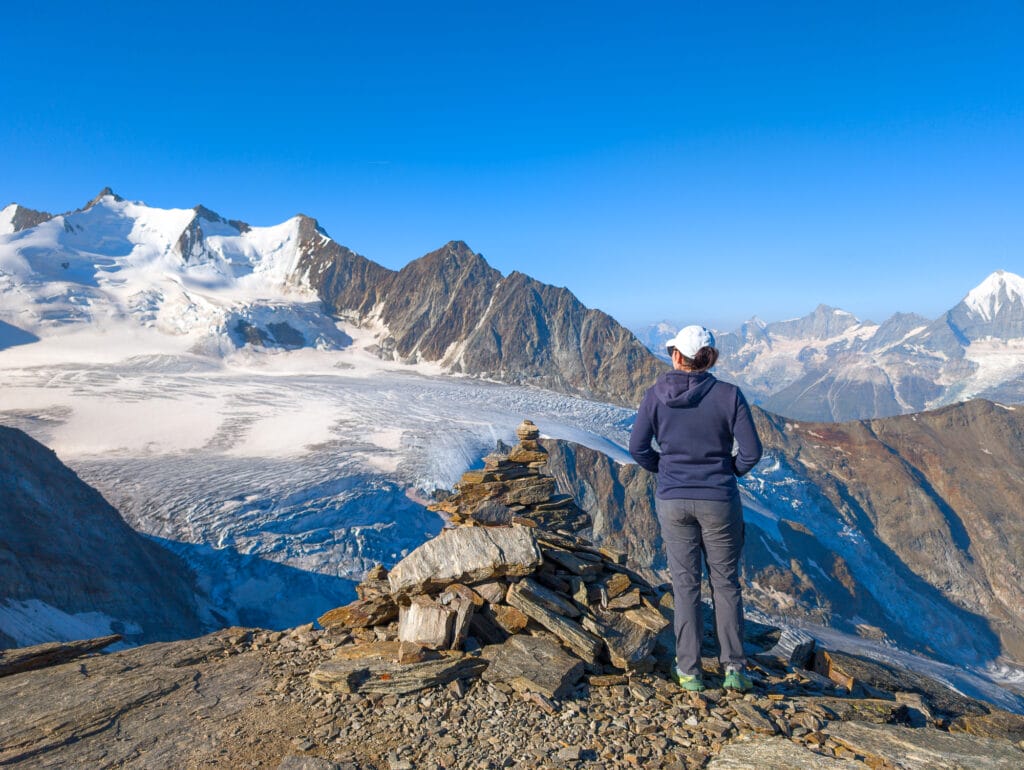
{"type": "Point", "coordinates": [697, 161]}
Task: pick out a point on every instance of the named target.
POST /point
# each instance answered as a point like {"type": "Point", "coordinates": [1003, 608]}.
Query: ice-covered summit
{"type": "Point", "coordinates": [188, 273]}
{"type": "Point", "coordinates": [999, 290]}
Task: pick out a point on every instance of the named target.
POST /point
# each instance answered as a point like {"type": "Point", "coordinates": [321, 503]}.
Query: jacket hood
{"type": "Point", "coordinates": [683, 389]}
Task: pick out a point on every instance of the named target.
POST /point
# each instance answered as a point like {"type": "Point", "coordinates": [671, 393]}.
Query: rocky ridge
{"type": "Point", "coordinates": [407, 677]}
{"type": "Point", "coordinates": [68, 556]}
{"type": "Point", "coordinates": [451, 307]}
{"type": "Point", "coordinates": [866, 526]}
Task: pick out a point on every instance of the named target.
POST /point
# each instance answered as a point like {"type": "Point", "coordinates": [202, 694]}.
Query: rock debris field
{"type": "Point", "coordinates": [508, 641]}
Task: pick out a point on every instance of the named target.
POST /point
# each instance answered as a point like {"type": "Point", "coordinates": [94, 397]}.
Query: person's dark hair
{"type": "Point", "coordinates": [704, 359]}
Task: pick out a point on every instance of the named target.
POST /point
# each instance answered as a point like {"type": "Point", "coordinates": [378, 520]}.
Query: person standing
{"type": "Point", "coordinates": [706, 439]}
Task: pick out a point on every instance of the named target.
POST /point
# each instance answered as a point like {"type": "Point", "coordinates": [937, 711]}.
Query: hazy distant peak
{"type": "Point", "coordinates": [989, 297]}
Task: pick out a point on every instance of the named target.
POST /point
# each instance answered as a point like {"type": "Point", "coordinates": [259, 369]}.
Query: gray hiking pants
{"type": "Point", "coordinates": [713, 528]}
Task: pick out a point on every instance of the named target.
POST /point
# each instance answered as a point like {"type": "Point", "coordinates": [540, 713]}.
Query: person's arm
{"type": "Point", "coordinates": [640, 438]}
{"type": "Point", "coordinates": [745, 433]}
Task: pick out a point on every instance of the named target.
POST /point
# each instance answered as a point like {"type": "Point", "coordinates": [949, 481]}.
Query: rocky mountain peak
{"type": "Point", "coordinates": [208, 214]}
{"type": "Point", "coordinates": [992, 309]}
{"type": "Point", "coordinates": [15, 218]}
{"type": "Point", "coordinates": [512, 632]}
{"type": "Point", "coordinates": [454, 256]}
{"type": "Point", "coordinates": [105, 192]}
{"type": "Point", "coordinates": [204, 213]}
{"type": "Point", "coordinates": [821, 323]}
{"type": "Point", "coordinates": [309, 225]}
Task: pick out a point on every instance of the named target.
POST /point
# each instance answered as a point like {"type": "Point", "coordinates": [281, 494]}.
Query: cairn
{"type": "Point", "coordinates": [513, 488]}
{"type": "Point", "coordinates": [510, 591]}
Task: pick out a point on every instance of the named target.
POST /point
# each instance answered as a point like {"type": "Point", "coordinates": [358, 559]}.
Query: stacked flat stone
{"type": "Point", "coordinates": [513, 488]}
{"type": "Point", "coordinates": [519, 598]}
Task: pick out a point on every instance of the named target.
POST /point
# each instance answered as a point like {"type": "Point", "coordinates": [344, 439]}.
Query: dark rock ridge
{"type": "Point", "coordinates": [65, 546]}
{"type": "Point", "coordinates": [451, 307]}
{"type": "Point", "coordinates": [24, 218]}
{"type": "Point", "coordinates": [907, 527]}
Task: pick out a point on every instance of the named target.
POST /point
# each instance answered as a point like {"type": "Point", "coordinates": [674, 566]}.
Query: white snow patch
{"type": "Point", "coordinates": [33, 621]}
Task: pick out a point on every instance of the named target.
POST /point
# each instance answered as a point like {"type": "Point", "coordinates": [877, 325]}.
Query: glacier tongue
{"type": "Point", "coordinates": [281, 476]}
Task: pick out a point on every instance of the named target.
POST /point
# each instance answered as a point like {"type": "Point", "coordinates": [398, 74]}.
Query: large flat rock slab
{"type": "Point", "coordinates": [164, 702]}
{"type": "Point", "coordinates": [534, 664]}
{"type": "Point", "coordinates": [466, 555]}
{"type": "Point", "coordinates": [774, 754]}
{"type": "Point", "coordinates": [20, 659]}
{"type": "Point", "coordinates": [386, 677]}
{"type": "Point", "coordinates": [926, 749]}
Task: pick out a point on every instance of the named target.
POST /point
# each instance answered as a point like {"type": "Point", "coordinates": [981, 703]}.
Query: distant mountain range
{"type": "Point", "coordinates": [218, 285]}
{"type": "Point", "coordinates": [828, 365]}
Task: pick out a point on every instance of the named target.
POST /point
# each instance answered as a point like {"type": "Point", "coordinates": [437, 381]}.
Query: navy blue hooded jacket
{"type": "Point", "coordinates": [695, 419]}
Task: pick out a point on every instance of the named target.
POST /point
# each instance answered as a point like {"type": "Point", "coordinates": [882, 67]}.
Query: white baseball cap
{"type": "Point", "coordinates": [690, 339]}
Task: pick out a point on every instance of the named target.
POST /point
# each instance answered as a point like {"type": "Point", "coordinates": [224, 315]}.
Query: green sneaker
{"type": "Point", "coordinates": [689, 682]}
{"type": "Point", "coordinates": [735, 679]}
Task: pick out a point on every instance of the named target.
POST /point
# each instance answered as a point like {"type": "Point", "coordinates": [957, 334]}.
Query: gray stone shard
{"type": "Point", "coordinates": [583, 643]}
{"type": "Point", "coordinates": [387, 677]}
{"type": "Point", "coordinates": [545, 597]}
{"type": "Point", "coordinates": [533, 664]}
{"type": "Point", "coordinates": [629, 644]}
{"type": "Point", "coordinates": [466, 555]}
{"type": "Point", "coordinates": [794, 648]}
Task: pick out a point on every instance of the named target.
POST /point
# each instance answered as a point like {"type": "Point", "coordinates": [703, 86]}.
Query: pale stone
{"type": "Point", "coordinates": [571, 562]}
{"type": "Point", "coordinates": [545, 597]}
{"type": "Point", "coordinates": [617, 584]}
{"type": "Point", "coordinates": [628, 644]}
{"type": "Point", "coordinates": [426, 623]}
{"type": "Point", "coordinates": [464, 601]}
{"type": "Point", "coordinates": [527, 431]}
{"type": "Point", "coordinates": [625, 601]}
{"type": "Point", "coordinates": [466, 555]}
{"type": "Point", "coordinates": [493, 591]}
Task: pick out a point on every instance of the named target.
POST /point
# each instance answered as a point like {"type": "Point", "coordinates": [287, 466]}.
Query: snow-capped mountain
{"type": "Point", "coordinates": [830, 365]}
{"type": "Point", "coordinates": [212, 286]}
